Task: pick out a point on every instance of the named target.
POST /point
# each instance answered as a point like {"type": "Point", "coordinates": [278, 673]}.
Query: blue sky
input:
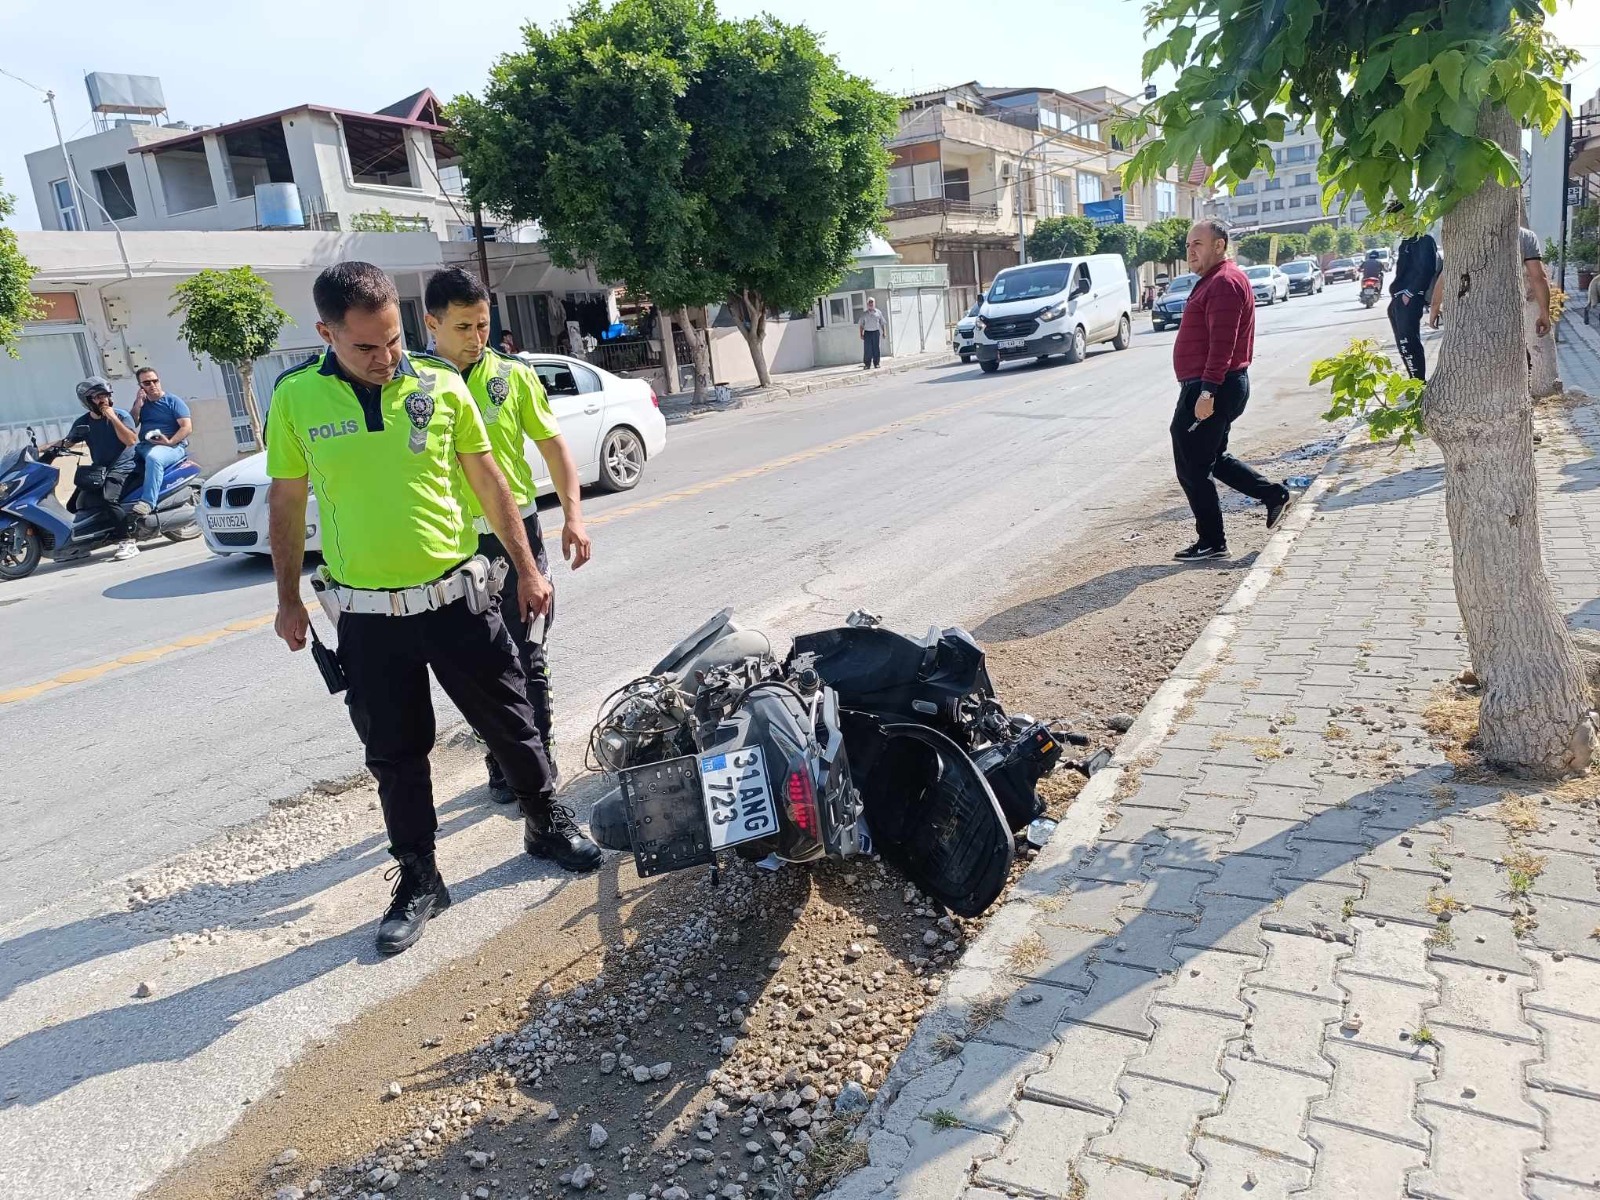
{"type": "Point", "coordinates": [220, 61]}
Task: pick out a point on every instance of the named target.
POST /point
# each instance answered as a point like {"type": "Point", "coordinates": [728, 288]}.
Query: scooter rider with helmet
{"type": "Point", "coordinates": [111, 436]}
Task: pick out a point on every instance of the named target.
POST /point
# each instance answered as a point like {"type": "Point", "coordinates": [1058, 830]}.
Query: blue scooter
{"type": "Point", "coordinates": [34, 525]}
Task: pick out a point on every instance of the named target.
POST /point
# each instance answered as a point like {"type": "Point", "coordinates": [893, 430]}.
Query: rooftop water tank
{"type": "Point", "coordinates": [278, 206]}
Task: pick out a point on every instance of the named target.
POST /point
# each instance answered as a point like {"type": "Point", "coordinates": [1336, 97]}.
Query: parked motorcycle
{"type": "Point", "coordinates": [34, 525]}
{"type": "Point", "coordinates": [1371, 289]}
{"type": "Point", "coordinates": [859, 741]}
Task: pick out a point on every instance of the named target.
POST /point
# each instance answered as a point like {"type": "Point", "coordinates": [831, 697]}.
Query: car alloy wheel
{"type": "Point", "coordinates": [621, 460]}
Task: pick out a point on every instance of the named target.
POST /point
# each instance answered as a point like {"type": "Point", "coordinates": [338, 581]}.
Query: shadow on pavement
{"type": "Point", "coordinates": [196, 579]}
{"type": "Point", "coordinates": [1404, 485]}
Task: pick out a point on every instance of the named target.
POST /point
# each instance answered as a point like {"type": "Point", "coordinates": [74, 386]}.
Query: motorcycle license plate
{"type": "Point", "coordinates": [738, 801]}
{"type": "Point", "coordinates": [1013, 343]}
{"type": "Point", "coordinates": [228, 520]}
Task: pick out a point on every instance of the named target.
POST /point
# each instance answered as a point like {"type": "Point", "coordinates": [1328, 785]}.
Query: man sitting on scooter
{"type": "Point", "coordinates": [164, 426]}
{"type": "Point", "coordinates": [108, 431]}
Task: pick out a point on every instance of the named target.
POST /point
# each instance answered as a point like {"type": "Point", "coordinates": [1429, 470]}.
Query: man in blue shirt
{"type": "Point", "coordinates": [164, 427]}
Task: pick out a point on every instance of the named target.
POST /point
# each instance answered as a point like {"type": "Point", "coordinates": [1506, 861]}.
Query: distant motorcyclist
{"type": "Point", "coordinates": [110, 434]}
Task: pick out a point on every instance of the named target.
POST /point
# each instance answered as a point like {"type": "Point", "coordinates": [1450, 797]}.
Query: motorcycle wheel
{"type": "Point", "coordinates": [20, 551]}
{"type": "Point", "coordinates": [186, 533]}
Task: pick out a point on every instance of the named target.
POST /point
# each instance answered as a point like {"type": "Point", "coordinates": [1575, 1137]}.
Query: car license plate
{"type": "Point", "coordinates": [738, 801]}
{"type": "Point", "coordinates": [1013, 343]}
{"type": "Point", "coordinates": [228, 520]}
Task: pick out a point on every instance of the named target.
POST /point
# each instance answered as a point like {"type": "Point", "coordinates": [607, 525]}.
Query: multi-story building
{"type": "Point", "coordinates": [975, 168]}
{"type": "Point", "coordinates": [1290, 199]}
{"type": "Point", "coordinates": [306, 167]}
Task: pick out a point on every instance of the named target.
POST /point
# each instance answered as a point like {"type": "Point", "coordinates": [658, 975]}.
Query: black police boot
{"type": "Point", "coordinates": [499, 790]}
{"type": "Point", "coordinates": [551, 831]}
{"type": "Point", "coordinates": [419, 895]}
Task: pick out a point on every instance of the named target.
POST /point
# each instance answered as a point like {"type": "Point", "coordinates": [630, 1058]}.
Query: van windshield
{"type": "Point", "coordinates": [1029, 283]}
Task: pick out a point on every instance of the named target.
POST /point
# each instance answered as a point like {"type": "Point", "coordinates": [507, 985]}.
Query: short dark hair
{"type": "Point", "coordinates": [348, 285]}
{"type": "Point", "coordinates": [453, 285]}
{"type": "Point", "coordinates": [1218, 229]}
{"type": "Point", "coordinates": [143, 371]}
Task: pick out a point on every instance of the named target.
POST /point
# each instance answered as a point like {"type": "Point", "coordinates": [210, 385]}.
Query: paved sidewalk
{"type": "Point", "coordinates": [1284, 949]}
{"type": "Point", "coordinates": [1578, 354]}
{"type": "Point", "coordinates": [803, 383]}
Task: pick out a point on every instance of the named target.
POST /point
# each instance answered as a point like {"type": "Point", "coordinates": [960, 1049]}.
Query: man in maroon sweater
{"type": "Point", "coordinates": [1211, 358]}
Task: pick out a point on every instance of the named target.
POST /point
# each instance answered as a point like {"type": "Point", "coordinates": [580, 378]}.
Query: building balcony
{"type": "Point", "coordinates": [942, 208]}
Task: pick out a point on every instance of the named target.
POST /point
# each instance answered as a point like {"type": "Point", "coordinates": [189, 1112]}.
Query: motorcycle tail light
{"type": "Point", "coordinates": [803, 802]}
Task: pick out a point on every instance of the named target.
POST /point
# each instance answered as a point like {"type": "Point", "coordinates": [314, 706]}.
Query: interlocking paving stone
{"type": "Point", "coordinates": [1567, 986]}
{"type": "Point", "coordinates": [1228, 924]}
{"type": "Point", "coordinates": [1161, 791]}
{"type": "Point", "coordinates": [1471, 1157]}
{"type": "Point", "coordinates": [1386, 1010]}
{"type": "Point", "coordinates": [1085, 1069]}
{"type": "Point", "coordinates": [1479, 999]}
{"type": "Point", "coordinates": [1113, 863]}
{"type": "Point", "coordinates": [1572, 1055]}
{"type": "Point", "coordinates": [1189, 849]}
{"type": "Point", "coordinates": [1277, 800]}
{"type": "Point", "coordinates": [1325, 862]}
{"type": "Point", "coordinates": [1287, 1030]}
{"type": "Point", "coordinates": [1375, 1092]}
{"type": "Point", "coordinates": [1108, 1181]}
{"type": "Point", "coordinates": [1482, 1074]}
{"type": "Point", "coordinates": [940, 1161]}
{"type": "Point", "coordinates": [1569, 927]}
{"type": "Point", "coordinates": [1139, 825]}
{"type": "Point", "coordinates": [1211, 981]}
{"type": "Point", "coordinates": [1483, 939]}
{"type": "Point", "coordinates": [1119, 1000]}
{"type": "Point", "coordinates": [1208, 814]}
{"type": "Point", "coordinates": [1313, 909]}
{"type": "Point", "coordinates": [1233, 1171]}
{"type": "Point", "coordinates": [1337, 824]}
{"type": "Point", "coordinates": [1154, 1128]}
{"type": "Point", "coordinates": [1479, 884]}
{"type": "Point", "coordinates": [1301, 964]}
{"type": "Point", "coordinates": [1187, 1047]}
{"type": "Point", "coordinates": [1246, 876]}
{"type": "Point", "coordinates": [1230, 781]}
{"type": "Point", "coordinates": [1569, 877]}
{"type": "Point", "coordinates": [1146, 940]}
{"type": "Point", "coordinates": [1065, 956]}
{"type": "Point", "coordinates": [1479, 835]}
{"type": "Point", "coordinates": [1037, 1158]}
{"type": "Point", "coordinates": [985, 1085]}
{"type": "Point", "coordinates": [1555, 1189]}
{"type": "Point", "coordinates": [1571, 1126]}
{"type": "Point", "coordinates": [1397, 896]}
{"type": "Point", "coordinates": [1391, 950]}
{"type": "Point", "coordinates": [1030, 1017]}
{"type": "Point", "coordinates": [1265, 1109]}
{"type": "Point", "coordinates": [1090, 904]}
{"type": "Point", "coordinates": [1265, 837]}
{"type": "Point", "coordinates": [1170, 890]}
{"type": "Point", "coordinates": [1351, 1165]}
{"type": "Point", "coordinates": [1411, 850]}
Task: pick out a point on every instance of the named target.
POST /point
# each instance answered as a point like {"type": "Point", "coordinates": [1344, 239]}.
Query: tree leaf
{"type": "Point", "coordinates": [1449, 66]}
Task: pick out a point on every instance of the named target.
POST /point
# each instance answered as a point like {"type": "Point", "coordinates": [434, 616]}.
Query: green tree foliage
{"type": "Point", "coordinates": [1063, 237]}
{"type": "Point", "coordinates": [230, 317]}
{"type": "Point", "coordinates": [691, 158]}
{"type": "Point", "coordinates": [1165, 241]}
{"type": "Point", "coordinates": [1321, 239]}
{"type": "Point", "coordinates": [1583, 241]}
{"type": "Point", "coordinates": [1366, 383]}
{"type": "Point", "coordinates": [1291, 246]}
{"type": "Point", "coordinates": [1120, 239]}
{"type": "Point", "coordinates": [1255, 246]}
{"type": "Point", "coordinates": [18, 305]}
{"type": "Point", "coordinates": [1348, 242]}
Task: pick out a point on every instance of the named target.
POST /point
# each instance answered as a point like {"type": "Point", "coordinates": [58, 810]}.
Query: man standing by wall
{"type": "Point", "coordinates": [872, 325]}
{"type": "Point", "coordinates": [513, 406]}
{"type": "Point", "coordinates": [164, 428]}
{"type": "Point", "coordinates": [1211, 358]}
{"type": "Point", "coordinates": [385, 440]}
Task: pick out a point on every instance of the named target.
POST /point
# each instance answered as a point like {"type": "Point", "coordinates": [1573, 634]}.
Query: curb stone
{"type": "Point", "coordinates": [1077, 833]}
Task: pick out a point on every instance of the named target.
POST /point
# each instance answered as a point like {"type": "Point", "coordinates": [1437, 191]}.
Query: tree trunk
{"type": "Point", "coordinates": [1535, 714]}
{"type": "Point", "coordinates": [702, 358]}
{"type": "Point", "coordinates": [1545, 373]}
{"type": "Point", "coordinates": [669, 350]}
{"type": "Point", "coordinates": [253, 413]}
{"type": "Point", "coordinates": [750, 314]}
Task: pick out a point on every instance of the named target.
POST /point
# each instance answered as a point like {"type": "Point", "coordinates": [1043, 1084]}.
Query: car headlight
{"type": "Point", "coordinates": [1055, 312]}
{"type": "Point", "coordinates": [983, 324]}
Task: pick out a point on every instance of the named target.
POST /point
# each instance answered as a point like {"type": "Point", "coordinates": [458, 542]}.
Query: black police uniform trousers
{"type": "Point", "coordinates": [386, 661]}
{"type": "Point", "coordinates": [1406, 321]}
{"type": "Point", "coordinates": [535, 665]}
{"type": "Point", "coordinates": [1201, 456]}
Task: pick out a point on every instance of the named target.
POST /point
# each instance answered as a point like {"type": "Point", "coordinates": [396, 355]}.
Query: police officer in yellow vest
{"type": "Point", "coordinates": [384, 438]}
{"type": "Point", "coordinates": [514, 407]}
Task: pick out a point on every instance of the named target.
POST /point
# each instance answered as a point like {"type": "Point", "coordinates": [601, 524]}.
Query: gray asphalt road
{"type": "Point", "coordinates": [923, 496]}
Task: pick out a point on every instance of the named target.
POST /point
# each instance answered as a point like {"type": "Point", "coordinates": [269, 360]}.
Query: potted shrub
{"type": "Point", "coordinates": [1583, 244]}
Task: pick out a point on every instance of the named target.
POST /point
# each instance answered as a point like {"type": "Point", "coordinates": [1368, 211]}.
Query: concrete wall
{"type": "Point", "coordinates": [788, 346]}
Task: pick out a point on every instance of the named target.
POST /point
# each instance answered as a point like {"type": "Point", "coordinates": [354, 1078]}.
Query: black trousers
{"type": "Point", "coordinates": [386, 660]}
{"type": "Point", "coordinates": [871, 343]}
{"type": "Point", "coordinates": [535, 665]}
{"type": "Point", "coordinates": [1201, 456]}
{"type": "Point", "coordinates": [1406, 321]}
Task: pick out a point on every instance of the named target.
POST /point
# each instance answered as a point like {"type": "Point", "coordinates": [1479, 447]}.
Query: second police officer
{"type": "Point", "coordinates": [514, 407]}
{"type": "Point", "coordinates": [385, 440]}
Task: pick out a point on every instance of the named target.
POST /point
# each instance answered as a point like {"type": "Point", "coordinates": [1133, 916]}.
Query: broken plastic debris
{"type": "Point", "coordinates": [1039, 831]}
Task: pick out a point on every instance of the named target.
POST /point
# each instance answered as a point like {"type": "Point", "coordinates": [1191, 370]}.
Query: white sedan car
{"type": "Point", "coordinates": [613, 426]}
{"type": "Point", "coordinates": [1268, 283]}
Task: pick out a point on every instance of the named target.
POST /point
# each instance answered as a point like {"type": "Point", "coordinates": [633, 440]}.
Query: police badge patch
{"type": "Point", "coordinates": [419, 407]}
{"type": "Point", "coordinates": [499, 389]}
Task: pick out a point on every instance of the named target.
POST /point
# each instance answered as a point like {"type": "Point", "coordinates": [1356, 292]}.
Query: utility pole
{"type": "Point", "coordinates": [1566, 176]}
{"type": "Point", "coordinates": [477, 235]}
{"type": "Point", "coordinates": [72, 175]}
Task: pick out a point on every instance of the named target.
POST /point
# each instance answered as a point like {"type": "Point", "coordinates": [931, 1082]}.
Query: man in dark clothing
{"type": "Point", "coordinates": [1211, 358]}
{"type": "Point", "coordinates": [111, 436]}
{"type": "Point", "coordinates": [1417, 268]}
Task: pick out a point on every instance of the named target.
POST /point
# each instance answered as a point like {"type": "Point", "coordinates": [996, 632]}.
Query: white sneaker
{"type": "Point", "coordinates": [125, 551]}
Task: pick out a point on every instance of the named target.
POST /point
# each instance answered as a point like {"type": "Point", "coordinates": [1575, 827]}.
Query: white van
{"type": "Point", "coordinates": [1060, 306]}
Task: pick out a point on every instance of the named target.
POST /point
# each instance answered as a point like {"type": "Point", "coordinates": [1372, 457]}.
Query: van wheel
{"type": "Point", "coordinates": [1079, 346]}
{"type": "Point", "coordinates": [990, 366]}
{"type": "Point", "coordinates": [1124, 337]}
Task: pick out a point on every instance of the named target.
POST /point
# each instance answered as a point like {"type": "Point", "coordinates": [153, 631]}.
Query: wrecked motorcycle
{"type": "Point", "coordinates": [861, 740]}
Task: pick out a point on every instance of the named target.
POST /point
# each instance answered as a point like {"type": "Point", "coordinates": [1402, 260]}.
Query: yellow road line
{"type": "Point", "coordinates": [136, 657]}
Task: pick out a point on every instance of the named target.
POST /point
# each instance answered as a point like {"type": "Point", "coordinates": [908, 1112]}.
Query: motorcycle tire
{"type": "Point", "coordinates": [186, 533]}
{"type": "Point", "coordinates": [21, 548]}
